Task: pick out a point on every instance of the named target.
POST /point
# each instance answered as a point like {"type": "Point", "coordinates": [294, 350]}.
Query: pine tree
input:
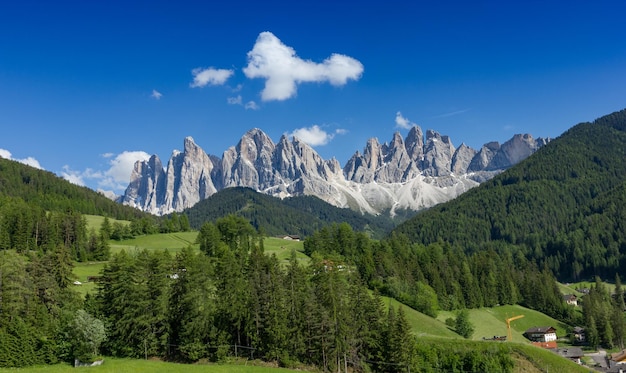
{"type": "Point", "coordinates": [462, 324]}
{"type": "Point", "coordinates": [617, 314]}
{"type": "Point", "coordinates": [190, 306]}
{"type": "Point", "coordinates": [297, 289]}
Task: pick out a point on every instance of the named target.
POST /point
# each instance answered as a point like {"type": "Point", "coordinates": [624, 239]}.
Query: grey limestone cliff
{"type": "Point", "coordinates": [414, 172]}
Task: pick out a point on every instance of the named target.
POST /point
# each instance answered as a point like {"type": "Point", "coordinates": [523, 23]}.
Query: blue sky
{"type": "Point", "coordinates": [87, 87]}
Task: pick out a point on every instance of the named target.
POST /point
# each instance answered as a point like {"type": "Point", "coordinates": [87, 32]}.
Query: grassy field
{"type": "Point", "coordinates": [544, 361]}
{"type": "Point", "coordinates": [95, 221]}
{"type": "Point", "coordinates": [489, 322]}
{"type": "Point", "coordinates": [422, 325]}
{"type": "Point", "coordinates": [171, 242]}
{"type": "Point", "coordinates": [282, 249]}
{"type": "Point", "coordinates": [82, 271]}
{"type": "Point", "coordinates": [113, 365]}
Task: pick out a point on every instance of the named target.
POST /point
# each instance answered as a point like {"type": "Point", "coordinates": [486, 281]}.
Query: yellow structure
{"type": "Point", "coordinates": [508, 325]}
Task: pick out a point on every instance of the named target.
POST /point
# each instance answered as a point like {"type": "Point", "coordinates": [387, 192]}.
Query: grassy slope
{"type": "Point", "coordinates": [95, 221]}
{"type": "Point", "coordinates": [173, 242]}
{"type": "Point", "coordinates": [544, 361]}
{"type": "Point", "coordinates": [114, 365]}
{"type": "Point", "coordinates": [491, 321]}
{"type": "Point", "coordinates": [84, 270]}
{"type": "Point", "coordinates": [163, 241]}
{"type": "Point", "coordinates": [282, 249]}
{"type": "Point", "coordinates": [421, 324]}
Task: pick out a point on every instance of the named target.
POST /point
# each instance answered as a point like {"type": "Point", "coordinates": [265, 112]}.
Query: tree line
{"type": "Point", "coordinates": [440, 276]}
{"type": "Point", "coordinates": [53, 193]}
{"type": "Point", "coordinates": [232, 298]}
{"type": "Point", "coordinates": [27, 227]}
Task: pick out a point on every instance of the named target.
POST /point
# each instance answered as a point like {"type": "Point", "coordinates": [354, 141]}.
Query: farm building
{"type": "Point", "coordinates": [541, 334]}
{"type": "Point", "coordinates": [571, 299]}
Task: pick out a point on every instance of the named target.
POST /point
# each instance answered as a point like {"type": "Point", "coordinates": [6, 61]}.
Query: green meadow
{"type": "Point", "coordinates": [489, 322]}
{"type": "Point", "coordinates": [171, 242]}
{"type": "Point", "coordinates": [95, 221]}
{"type": "Point", "coordinates": [115, 365]}
{"type": "Point", "coordinates": [421, 324]}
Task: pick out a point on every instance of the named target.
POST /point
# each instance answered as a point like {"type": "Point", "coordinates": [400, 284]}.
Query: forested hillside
{"type": "Point", "coordinates": [564, 207]}
{"type": "Point", "coordinates": [52, 193]}
{"type": "Point", "coordinates": [296, 215]}
{"type": "Point", "coordinates": [41, 212]}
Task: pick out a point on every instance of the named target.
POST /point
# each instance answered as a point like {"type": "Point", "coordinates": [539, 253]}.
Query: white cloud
{"type": "Point", "coordinates": [30, 161]}
{"type": "Point", "coordinates": [315, 135]}
{"type": "Point", "coordinates": [235, 100]}
{"type": "Point", "coordinates": [116, 177]}
{"type": "Point", "coordinates": [122, 165]}
{"type": "Point", "coordinates": [283, 69]}
{"type": "Point", "coordinates": [209, 76]}
{"type": "Point", "coordinates": [156, 94]}
{"type": "Point", "coordinates": [403, 122]}
{"type": "Point", "coordinates": [74, 177]}
{"type": "Point", "coordinates": [251, 105]}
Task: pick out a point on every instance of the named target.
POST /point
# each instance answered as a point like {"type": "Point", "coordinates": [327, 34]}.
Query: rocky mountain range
{"type": "Point", "coordinates": [412, 173]}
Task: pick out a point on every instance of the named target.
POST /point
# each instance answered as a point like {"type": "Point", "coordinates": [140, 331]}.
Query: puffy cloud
{"type": "Point", "coordinates": [74, 177]}
{"type": "Point", "coordinates": [156, 94]}
{"type": "Point", "coordinates": [315, 135]}
{"type": "Point", "coordinates": [251, 105]}
{"type": "Point", "coordinates": [122, 165]}
{"type": "Point", "coordinates": [209, 76]}
{"type": "Point", "coordinates": [283, 69]}
{"type": "Point", "coordinates": [403, 122]}
{"type": "Point", "coordinates": [30, 161]}
{"type": "Point", "coordinates": [116, 177]}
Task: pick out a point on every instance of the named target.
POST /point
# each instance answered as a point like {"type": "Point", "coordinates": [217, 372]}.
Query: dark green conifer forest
{"type": "Point", "coordinates": [563, 208]}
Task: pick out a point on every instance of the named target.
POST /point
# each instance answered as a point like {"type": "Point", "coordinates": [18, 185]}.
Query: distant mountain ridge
{"type": "Point", "coordinates": [410, 173]}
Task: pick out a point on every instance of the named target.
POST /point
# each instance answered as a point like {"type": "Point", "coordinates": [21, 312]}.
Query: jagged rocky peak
{"type": "Point", "coordinates": [397, 164]}
{"type": "Point", "coordinates": [310, 162]}
{"type": "Point", "coordinates": [414, 143]}
{"type": "Point", "coordinates": [188, 178]}
{"type": "Point", "coordinates": [255, 144]}
{"type": "Point", "coordinates": [361, 168]}
{"type": "Point", "coordinates": [147, 181]}
{"type": "Point", "coordinates": [484, 156]}
{"type": "Point", "coordinates": [462, 158]}
{"type": "Point", "coordinates": [415, 172]}
{"type": "Point", "coordinates": [438, 152]}
{"type": "Point", "coordinates": [249, 163]}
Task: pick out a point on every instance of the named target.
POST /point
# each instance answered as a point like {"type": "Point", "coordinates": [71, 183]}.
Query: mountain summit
{"type": "Point", "coordinates": [410, 173]}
